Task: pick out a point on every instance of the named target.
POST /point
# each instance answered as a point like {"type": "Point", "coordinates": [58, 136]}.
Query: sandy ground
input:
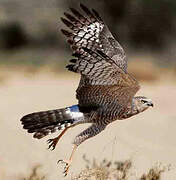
{"type": "Point", "coordinates": [147, 139]}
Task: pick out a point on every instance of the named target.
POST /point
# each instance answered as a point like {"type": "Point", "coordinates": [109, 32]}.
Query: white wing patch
{"type": "Point", "coordinates": [89, 33]}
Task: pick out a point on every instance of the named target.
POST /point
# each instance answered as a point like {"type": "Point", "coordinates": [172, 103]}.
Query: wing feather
{"type": "Point", "coordinates": [90, 31]}
{"type": "Point", "coordinates": [97, 68]}
{"type": "Point", "coordinates": [100, 60]}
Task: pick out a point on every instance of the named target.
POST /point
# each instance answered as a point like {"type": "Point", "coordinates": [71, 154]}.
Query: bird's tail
{"type": "Point", "coordinates": [46, 122]}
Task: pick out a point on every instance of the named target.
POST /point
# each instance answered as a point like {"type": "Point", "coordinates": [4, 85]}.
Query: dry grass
{"type": "Point", "coordinates": [105, 170]}
{"type": "Point", "coordinates": [34, 175]}
{"type": "Point", "coordinates": [153, 174]}
{"type": "Point", "coordinates": [119, 170]}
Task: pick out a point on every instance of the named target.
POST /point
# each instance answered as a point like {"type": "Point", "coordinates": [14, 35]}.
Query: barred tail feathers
{"type": "Point", "coordinates": [47, 122]}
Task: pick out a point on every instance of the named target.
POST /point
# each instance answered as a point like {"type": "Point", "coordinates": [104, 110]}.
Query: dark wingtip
{"type": "Point", "coordinates": [73, 60]}
{"type": "Point", "coordinates": [67, 23]}
{"type": "Point", "coordinates": [97, 15]}
{"type": "Point", "coordinates": [88, 12]}
{"type": "Point", "coordinates": [22, 119]}
{"type": "Point", "coordinates": [83, 6]}
{"type": "Point", "coordinates": [70, 17]}
{"type": "Point", "coordinates": [66, 33]}
{"type": "Point", "coordinates": [77, 14]}
{"type": "Point", "coordinates": [74, 11]}
{"type": "Point", "coordinates": [62, 19]}
{"type": "Point", "coordinates": [70, 67]}
{"type": "Point", "coordinates": [25, 119]}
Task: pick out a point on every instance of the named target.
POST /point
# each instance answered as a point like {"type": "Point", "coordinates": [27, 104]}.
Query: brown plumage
{"type": "Point", "coordinates": [106, 91]}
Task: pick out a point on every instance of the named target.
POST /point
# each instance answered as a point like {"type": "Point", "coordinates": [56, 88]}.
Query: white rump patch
{"type": "Point", "coordinates": [74, 111]}
{"type": "Point", "coordinates": [77, 114]}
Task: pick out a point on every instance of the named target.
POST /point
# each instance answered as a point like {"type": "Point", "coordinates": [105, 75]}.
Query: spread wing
{"type": "Point", "coordinates": [100, 74]}
{"type": "Point", "coordinates": [91, 32]}
{"type": "Point", "coordinates": [100, 60]}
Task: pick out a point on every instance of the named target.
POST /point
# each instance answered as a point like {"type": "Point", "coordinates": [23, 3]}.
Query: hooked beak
{"type": "Point", "coordinates": [150, 104]}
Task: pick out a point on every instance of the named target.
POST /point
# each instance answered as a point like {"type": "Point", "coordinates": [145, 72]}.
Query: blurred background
{"type": "Point", "coordinates": [30, 31]}
{"type": "Point", "coordinates": [33, 55]}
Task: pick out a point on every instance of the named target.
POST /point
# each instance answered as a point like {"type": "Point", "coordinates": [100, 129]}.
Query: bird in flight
{"type": "Point", "coordinates": [106, 91]}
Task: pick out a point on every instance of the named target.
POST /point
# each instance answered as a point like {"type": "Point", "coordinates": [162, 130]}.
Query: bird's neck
{"type": "Point", "coordinates": [131, 110]}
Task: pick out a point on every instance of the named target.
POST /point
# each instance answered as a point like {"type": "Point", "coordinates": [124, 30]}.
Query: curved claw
{"type": "Point", "coordinates": [49, 141]}
{"type": "Point", "coordinates": [60, 161]}
{"type": "Point", "coordinates": [51, 147]}
{"type": "Point", "coordinates": [67, 166]}
{"type": "Point", "coordinates": [52, 143]}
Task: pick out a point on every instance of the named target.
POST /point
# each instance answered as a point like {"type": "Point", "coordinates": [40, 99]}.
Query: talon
{"type": "Point", "coordinates": [68, 162]}
{"type": "Point", "coordinates": [67, 166]}
{"type": "Point", "coordinates": [48, 141]}
{"type": "Point", "coordinates": [60, 160]}
{"type": "Point", "coordinates": [65, 174]}
{"type": "Point", "coordinates": [52, 143]}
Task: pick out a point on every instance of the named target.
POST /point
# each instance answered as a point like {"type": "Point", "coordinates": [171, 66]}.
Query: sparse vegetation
{"type": "Point", "coordinates": [118, 170]}
{"type": "Point", "coordinates": [35, 175]}
{"type": "Point", "coordinates": [153, 174]}
{"type": "Point", "coordinates": [104, 170]}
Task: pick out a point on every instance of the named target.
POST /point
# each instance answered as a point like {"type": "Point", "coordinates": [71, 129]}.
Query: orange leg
{"type": "Point", "coordinates": [53, 142]}
{"type": "Point", "coordinates": [69, 161]}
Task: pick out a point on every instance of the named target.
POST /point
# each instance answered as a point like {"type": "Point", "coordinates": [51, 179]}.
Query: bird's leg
{"type": "Point", "coordinates": [69, 161]}
{"type": "Point", "coordinates": [53, 142]}
{"type": "Point", "coordinates": [93, 130]}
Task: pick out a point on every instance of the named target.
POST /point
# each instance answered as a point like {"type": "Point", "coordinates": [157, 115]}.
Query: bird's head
{"type": "Point", "coordinates": [142, 103]}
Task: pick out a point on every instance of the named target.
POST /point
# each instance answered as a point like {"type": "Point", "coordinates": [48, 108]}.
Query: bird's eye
{"type": "Point", "coordinates": [143, 101]}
